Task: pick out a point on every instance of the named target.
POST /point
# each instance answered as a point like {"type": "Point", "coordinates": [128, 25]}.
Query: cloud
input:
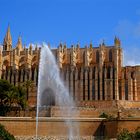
{"type": "Point", "coordinates": [129, 33]}
{"type": "Point", "coordinates": [131, 56]}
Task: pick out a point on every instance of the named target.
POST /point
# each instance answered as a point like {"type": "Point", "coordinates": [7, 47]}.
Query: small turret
{"type": "Point", "coordinates": [7, 43]}
{"type": "Point", "coordinates": [30, 49]}
{"type": "Point", "coordinates": [103, 43]}
{"type": "Point", "coordinates": [90, 46]}
{"type": "Point", "coordinates": [65, 46]}
{"type": "Point", "coordinates": [36, 48]}
{"type": "Point", "coordinates": [117, 42]}
{"type": "Point", "coordinates": [19, 43]}
{"type": "Point", "coordinates": [78, 46]}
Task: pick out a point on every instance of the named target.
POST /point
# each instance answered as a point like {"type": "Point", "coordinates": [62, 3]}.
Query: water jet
{"type": "Point", "coordinates": [52, 91]}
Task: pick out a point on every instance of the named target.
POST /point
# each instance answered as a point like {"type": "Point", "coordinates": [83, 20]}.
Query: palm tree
{"type": "Point", "coordinates": [5, 86]}
{"type": "Point", "coordinates": [10, 98]}
{"type": "Point", "coordinates": [21, 97]}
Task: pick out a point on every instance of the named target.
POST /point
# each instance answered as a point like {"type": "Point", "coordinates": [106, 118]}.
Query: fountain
{"type": "Point", "coordinates": [51, 91]}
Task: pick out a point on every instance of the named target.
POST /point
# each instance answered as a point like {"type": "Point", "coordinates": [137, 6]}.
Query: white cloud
{"type": "Point", "coordinates": [131, 56]}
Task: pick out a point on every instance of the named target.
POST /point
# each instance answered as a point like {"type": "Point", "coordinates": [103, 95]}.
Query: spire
{"type": "Point", "coordinates": [7, 43]}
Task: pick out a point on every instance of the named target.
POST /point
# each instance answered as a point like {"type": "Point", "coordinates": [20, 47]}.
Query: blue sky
{"type": "Point", "coordinates": [74, 21]}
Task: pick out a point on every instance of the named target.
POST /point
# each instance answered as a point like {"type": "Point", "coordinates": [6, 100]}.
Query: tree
{"type": "Point", "coordinates": [11, 96]}
{"type": "Point", "coordinates": [21, 97]}
{"type": "Point", "coordinates": [5, 86]}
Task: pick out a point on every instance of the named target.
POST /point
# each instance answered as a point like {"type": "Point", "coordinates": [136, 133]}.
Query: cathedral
{"type": "Point", "coordinates": [91, 74]}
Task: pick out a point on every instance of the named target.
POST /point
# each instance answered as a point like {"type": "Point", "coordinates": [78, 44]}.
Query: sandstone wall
{"type": "Point", "coordinates": [57, 126]}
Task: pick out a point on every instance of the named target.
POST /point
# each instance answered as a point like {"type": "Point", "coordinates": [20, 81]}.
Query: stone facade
{"type": "Point", "coordinates": [90, 73]}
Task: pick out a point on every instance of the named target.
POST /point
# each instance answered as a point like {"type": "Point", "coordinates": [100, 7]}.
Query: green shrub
{"type": "Point", "coordinates": [137, 133]}
{"type": "Point", "coordinates": [103, 115]}
{"type": "Point", "coordinates": [109, 117]}
{"type": "Point", "coordinates": [125, 135]}
{"type": "Point", "coordinates": [4, 134]}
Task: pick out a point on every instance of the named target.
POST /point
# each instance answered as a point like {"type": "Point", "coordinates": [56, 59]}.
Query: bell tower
{"type": "Point", "coordinates": [7, 43]}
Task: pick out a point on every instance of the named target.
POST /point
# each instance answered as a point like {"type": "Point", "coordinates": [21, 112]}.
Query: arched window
{"type": "Point", "coordinates": [97, 56]}
{"type": "Point", "coordinates": [110, 55]}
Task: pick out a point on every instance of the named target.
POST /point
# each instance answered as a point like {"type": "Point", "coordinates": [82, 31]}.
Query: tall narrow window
{"type": "Point", "coordinates": [7, 72]}
{"type": "Point", "coordinates": [14, 78]}
{"type": "Point", "coordinates": [37, 76]}
{"type": "Point", "coordinates": [126, 90]}
{"type": "Point", "coordinates": [23, 75]}
{"type": "Point", "coordinates": [110, 55]}
{"type": "Point", "coordinates": [97, 56]}
{"type": "Point", "coordinates": [33, 72]}
{"type": "Point", "coordinates": [120, 89]}
{"type": "Point", "coordinates": [93, 91]}
{"type": "Point", "coordinates": [108, 72]}
{"type": "Point", "coordinates": [19, 76]}
{"type": "Point", "coordinates": [89, 87]}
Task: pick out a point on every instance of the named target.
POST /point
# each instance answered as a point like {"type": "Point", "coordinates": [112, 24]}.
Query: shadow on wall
{"type": "Point", "coordinates": [100, 132]}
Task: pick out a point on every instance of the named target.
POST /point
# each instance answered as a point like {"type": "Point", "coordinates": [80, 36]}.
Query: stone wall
{"type": "Point", "coordinates": [129, 104]}
{"type": "Point", "coordinates": [26, 126]}
{"type": "Point", "coordinates": [57, 126]}
{"type": "Point", "coordinates": [82, 112]}
{"type": "Point", "coordinates": [98, 104]}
